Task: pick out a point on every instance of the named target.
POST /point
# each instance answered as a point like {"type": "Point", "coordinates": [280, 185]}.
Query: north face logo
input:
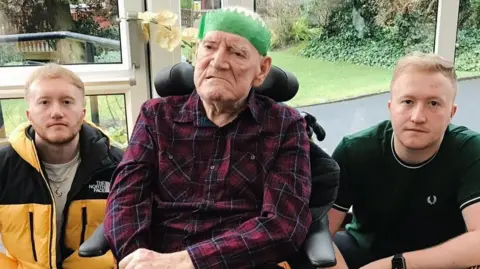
{"type": "Point", "coordinates": [101, 187]}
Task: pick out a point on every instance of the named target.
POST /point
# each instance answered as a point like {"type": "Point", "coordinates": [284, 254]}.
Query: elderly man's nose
{"type": "Point", "coordinates": [220, 59]}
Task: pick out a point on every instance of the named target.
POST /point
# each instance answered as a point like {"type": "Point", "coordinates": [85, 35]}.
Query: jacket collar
{"type": "Point", "coordinates": [94, 146]}
{"type": "Point", "coordinates": [193, 111]}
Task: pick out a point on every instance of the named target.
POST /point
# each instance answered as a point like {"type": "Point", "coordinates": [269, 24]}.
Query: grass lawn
{"type": "Point", "coordinates": [322, 81]}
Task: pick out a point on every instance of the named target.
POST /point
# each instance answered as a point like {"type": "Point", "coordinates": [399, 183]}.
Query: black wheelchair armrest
{"type": "Point", "coordinates": [96, 245]}
{"type": "Point", "coordinates": [319, 246]}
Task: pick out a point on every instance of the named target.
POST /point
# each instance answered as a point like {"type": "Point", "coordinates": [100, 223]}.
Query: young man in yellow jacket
{"type": "Point", "coordinates": [54, 177]}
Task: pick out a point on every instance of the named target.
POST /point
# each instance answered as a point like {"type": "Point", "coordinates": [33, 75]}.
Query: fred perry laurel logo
{"type": "Point", "coordinates": [432, 199]}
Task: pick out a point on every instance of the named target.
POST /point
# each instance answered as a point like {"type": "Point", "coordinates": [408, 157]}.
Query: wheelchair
{"type": "Point", "coordinates": [281, 86]}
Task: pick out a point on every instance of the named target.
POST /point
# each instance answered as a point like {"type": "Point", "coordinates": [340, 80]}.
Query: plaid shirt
{"type": "Point", "coordinates": [233, 197]}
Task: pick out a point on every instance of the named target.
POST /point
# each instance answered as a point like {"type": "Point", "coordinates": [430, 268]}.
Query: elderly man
{"type": "Point", "coordinates": [220, 178]}
{"type": "Point", "coordinates": [413, 180]}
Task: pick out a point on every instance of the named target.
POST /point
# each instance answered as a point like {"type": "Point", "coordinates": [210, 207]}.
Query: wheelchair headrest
{"type": "Point", "coordinates": [279, 85]}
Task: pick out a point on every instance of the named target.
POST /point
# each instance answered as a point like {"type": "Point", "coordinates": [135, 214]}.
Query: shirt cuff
{"type": "Point", "coordinates": [341, 208]}
{"type": "Point", "coordinates": [204, 255]}
{"type": "Point", "coordinates": [469, 202]}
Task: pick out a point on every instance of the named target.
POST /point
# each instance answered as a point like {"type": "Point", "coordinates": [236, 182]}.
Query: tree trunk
{"type": "Point", "coordinates": [60, 18]}
{"type": "Point", "coordinates": [3, 134]}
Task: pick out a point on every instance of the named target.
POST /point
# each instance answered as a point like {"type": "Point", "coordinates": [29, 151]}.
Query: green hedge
{"type": "Point", "coordinates": [382, 46]}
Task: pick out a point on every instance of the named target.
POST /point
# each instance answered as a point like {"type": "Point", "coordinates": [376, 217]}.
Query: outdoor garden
{"type": "Point", "coordinates": [342, 49]}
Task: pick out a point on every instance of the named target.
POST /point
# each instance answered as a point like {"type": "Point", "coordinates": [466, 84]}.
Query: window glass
{"type": "Point", "coordinates": [211, 4]}
{"type": "Point", "coordinates": [108, 111]}
{"type": "Point", "coordinates": [191, 12]}
{"type": "Point", "coordinates": [342, 49]}
{"type": "Point", "coordinates": [467, 53]}
{"type": "Point", "coordinates": [66, 32]}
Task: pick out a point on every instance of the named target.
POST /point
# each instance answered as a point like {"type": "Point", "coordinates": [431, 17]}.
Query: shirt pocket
{"type": "Point", "coordinates": [245, 178]}
{"type": "Point", "coordinates": [175, 174]}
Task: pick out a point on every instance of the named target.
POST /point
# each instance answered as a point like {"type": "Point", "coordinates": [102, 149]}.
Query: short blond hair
{"type": "Point", "coordinates": [426, 62]}
{"type": "Point", "coordinates": [54, 71]}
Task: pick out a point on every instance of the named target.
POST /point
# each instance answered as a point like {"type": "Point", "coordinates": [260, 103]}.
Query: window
{"type": "Point", "coordinates": [12, 113]}
{"type": "Point", "coordinates": [211, 4]}
{"type": "Point", "coordinates": [345, 49]}
{"type": "Point", "coordinates": [114, 65]}
{"type": "Point", "coordinates": [467, 53]}
{"type": "Point", "coordinates": [80, 33]}
{"type": "Point", "coordinates": [106, 111]}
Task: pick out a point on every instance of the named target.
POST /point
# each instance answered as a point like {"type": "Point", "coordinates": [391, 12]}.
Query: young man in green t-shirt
{"type": "Point", "coordinates": [413, 181]}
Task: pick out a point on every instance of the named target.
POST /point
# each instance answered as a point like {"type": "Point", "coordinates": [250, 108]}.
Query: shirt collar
{"type": "Point", "coordinates": [192, 110]}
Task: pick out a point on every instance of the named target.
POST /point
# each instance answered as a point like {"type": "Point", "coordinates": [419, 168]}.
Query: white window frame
{"type": "Point", "coordinates": [447, 25]}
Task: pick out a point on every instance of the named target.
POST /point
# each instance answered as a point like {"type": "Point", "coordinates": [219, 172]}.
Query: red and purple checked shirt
{"type": "Point", "coordinates": [233, 197]}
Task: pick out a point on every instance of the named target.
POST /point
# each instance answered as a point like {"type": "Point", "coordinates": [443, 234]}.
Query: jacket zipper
{"type": "Point", "coordinates": [52, 213]}
{"type": "Point", "coordinates": [32, 236]}
{"type": "Point", "coordinates": [84, 224]}
{"type": "Point", "coordinates": [69, 201]}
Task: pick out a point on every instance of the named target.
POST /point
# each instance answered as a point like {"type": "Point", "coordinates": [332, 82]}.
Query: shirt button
{"type": "Point", "coordinates": [212, 167]}
{"type": "Point", "coordinates": [252, 157]}
{"type": "Point", "coordinates": [170, 157]}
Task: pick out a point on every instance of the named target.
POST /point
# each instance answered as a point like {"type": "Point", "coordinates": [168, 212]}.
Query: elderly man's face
{"type": "Point", "coordinates": [227, 66]}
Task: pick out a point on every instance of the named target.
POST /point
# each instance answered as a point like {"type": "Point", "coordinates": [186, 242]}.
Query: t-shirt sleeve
{"type": "Point", "coordinates": [469, 189]}
{"type": "Point", "coordinates": [345, 192]}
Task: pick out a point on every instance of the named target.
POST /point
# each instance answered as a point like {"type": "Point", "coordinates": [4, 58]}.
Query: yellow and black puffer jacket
{"type": "Point", "coordinates": [27, 211]}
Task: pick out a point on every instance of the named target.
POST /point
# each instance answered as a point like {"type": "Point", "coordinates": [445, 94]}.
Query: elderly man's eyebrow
{"type": "Point", "coordinates": [210, 40]}
{"type": "Point", "coordinates": [237, 48]}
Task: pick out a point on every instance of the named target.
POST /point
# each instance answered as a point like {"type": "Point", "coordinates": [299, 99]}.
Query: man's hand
{"type": "Point", "coordinates": [148, 259]}
{"type": "Point", "coordinates": [385, 263]}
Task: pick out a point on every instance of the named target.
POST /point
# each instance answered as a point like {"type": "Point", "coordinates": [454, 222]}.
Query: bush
{"type": "Point", "coordinates": [341, 39]}
{"type": "Point", "coordinates": [468, 50]}
{"type": "Point", "coordinates": [469, 14]}
{"type": "Point", "coordinates": [9, 55]}
{"type": "Point", "coordinates": [281, 17]}
{"type": "Point", "coordinates": [319, 11]}
{"type": "Point", "coordinates": [186, 4]}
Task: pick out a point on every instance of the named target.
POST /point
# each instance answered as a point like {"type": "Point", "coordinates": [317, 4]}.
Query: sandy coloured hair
{"type": "Point", "coordinates": [54, 71]}
{"type": "Point", "coordinates": [425, 62]}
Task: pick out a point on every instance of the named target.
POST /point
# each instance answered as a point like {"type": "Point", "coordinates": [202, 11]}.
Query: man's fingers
{"type": "Point", "coordinates": [125, 261]}
{"type": "Point", "coordinates": [135, 258]}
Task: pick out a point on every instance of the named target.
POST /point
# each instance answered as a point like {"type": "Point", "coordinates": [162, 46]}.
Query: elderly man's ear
{"type": "Point", "coordinates": [265, 65]}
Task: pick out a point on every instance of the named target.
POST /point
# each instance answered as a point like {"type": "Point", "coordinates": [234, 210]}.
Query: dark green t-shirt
{"type": "Point", "coordinates": [398, 207]}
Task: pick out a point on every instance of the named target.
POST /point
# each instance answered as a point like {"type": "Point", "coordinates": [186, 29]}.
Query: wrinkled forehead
{"type": "Point", "coordinates": [238, 24]}
{"type": "Point", "coordinates": [230, 40]}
